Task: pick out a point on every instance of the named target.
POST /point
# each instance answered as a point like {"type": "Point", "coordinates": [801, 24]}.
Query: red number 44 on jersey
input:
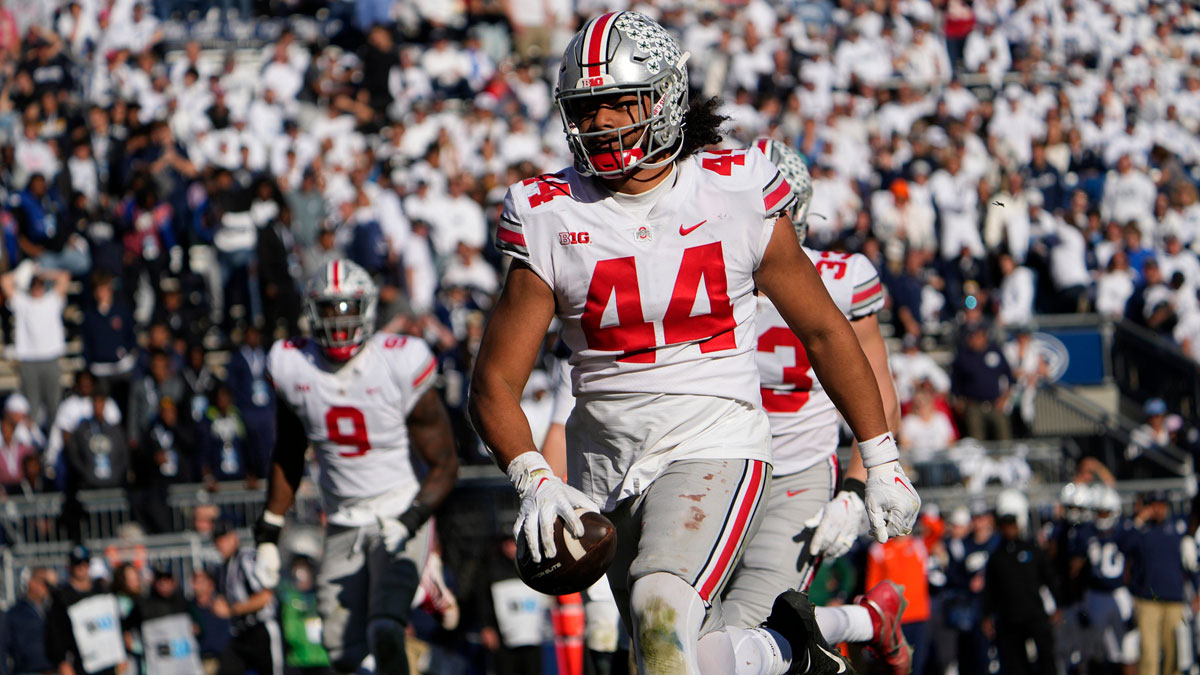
{"type": "Point", "coordinates": [633, 336]}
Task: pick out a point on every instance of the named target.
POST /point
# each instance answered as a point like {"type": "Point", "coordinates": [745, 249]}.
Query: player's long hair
{"type": "Point", "coordinates": [701, 126]}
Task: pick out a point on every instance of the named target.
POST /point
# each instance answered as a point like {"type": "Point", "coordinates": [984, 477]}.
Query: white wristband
{"type": "Point", "coordinates": [273, 518]}
{"type": "Point", "coordinates": [879, 450]}
{"type": "Point", "coordinates": [523, 466]}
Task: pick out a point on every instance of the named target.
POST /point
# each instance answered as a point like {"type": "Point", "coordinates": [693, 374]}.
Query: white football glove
{"type": "Point", "coordinates": [892, 503]}
{"type": "Point", "coordinates": [394, 534]}
{"type": "Point", "coordinates": [266, 565]}
{"type": "Point", "coordinates": [266, 558]}
{"type": "Point", "coordinates": [544, 497]}
{"type": "Point", "coordinates": [841, 523]}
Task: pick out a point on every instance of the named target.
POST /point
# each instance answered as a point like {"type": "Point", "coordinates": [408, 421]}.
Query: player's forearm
{"type": "Point", "coordinates": [499, 420]}
{"type": "Point", "coordinates": [252, 604]}
{"type": "Point", "coordinates": [281, 490]}
{"type": "Point", "coordinates": [431, 435]}
{"type": "Point", "coordinates": [846, 374]}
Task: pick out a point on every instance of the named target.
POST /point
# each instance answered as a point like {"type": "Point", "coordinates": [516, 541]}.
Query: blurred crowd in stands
{"type": "Point", "coordinates": [163, 198]}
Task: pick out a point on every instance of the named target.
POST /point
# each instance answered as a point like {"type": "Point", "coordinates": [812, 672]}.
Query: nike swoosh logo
{"type": "Point", "coordinates": [905, 486]}
{"type": "Point", "coordinates": [793, 493]}
{"type": "Point", "coordinates": [685, 231]}
{"type": "Point", "coordinates": [840, 661]}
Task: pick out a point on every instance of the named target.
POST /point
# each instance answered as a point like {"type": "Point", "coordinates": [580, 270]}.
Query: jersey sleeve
{"type": "Point", "coordinates": [564, 399]}
{"type": "Point", "coordinates": [777, 195]}
{"type": "Point", "coordinates": [411, 363]}
{"type": "Point", "coordinates": [867, 295]}
{"type": "Point", "coordinates": [277, 372]}
{"type": "Point", "coordinates": [511, 235]}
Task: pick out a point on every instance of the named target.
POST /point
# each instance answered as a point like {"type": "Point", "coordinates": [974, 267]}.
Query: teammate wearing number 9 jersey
{"type": "Point", "coordinates": [649, 250]}
{"type": "Point", "coordinates": [365, 402]}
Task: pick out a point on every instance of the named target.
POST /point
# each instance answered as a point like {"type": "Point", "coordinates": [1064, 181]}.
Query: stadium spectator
{"type": "Point", "coordinates": [16, 411]}
{"type": "Point", "coordinates": [13, 452]}
{"type": "Point", "coordinates": [109, 338]}
{"type": "Point", "coordinates": [223, 440]}
{"type": "Point", "coordinates": [23, 640]}
{"type": "Point", "coordinates": [925, 428]}
{"type": "Point", "coordinates": [39, 337]}
{"type": "Point", "coordinates": [75, 408]}
{"type": "Point", "coordinates": [254, 398]}
{"type": "Point", "coordinates": [1152, 544]}
{"type": "Point", "coordinates": [61, 632]}
{"type": "Point", "coordinates": [980, 378]}
{"type": "Point", "coordinates": [298, 611]}
{"type": "Point", "coordinates": [1017, 571]}
{"type": "Point", "coordinates": [210, 612]}
{"type": "Point", "coordinates": [163, 457]}
{"type": "Point", "coordinates": [199, 385]}
{"type": "Point", "coordinates": [278, 268]}
{"type": "Point", "coordinates": [97, 456]}
{"type": "Point", "coordinates": [146, 394]}
{"type": "Point", "coordinates": [904, 561]}
{"type": "Point", "coordinates": [43, 232]}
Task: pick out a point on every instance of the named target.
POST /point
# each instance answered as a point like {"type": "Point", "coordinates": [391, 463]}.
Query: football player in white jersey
{"type": "Point", "coordinates": [649, 250]}
{"type": "Point", "coordinates": [366, 403]}
{"type": "Point", "coordinates": [804, 440]}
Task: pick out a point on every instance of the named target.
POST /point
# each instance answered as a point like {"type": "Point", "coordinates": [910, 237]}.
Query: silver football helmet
{"type": "Point", "coordinates": [341, 301]}
{"type": "Point", "coordinates": [1107, 504]}
{"type": "Point", "coordinates": [616, 54]}
{"type": "Point", "coordinates": [792, 165]}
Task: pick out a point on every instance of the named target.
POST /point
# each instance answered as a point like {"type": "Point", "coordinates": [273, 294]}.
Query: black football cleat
{"type": "Point", "coordinates": [793, 617]}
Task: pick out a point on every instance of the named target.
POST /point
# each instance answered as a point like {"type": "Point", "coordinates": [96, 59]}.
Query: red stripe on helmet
{"type": "Point", "coordinates": [593, 42]}
{"type": "Point", "coordinates": [336, 269]}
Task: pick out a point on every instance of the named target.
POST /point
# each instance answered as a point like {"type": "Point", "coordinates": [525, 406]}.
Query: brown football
{"type": "Point", "coordinates": [579, 562]}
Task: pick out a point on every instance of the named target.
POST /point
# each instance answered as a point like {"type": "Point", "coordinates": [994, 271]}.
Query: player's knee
{"type": "Point", "coordinates": [668, 614]}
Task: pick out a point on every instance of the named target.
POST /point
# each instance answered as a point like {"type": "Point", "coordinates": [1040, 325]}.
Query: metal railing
{"type": "Point", "coordinates": [1146, 365]}
{"type": "Point", "coordinates": [1100, 433]}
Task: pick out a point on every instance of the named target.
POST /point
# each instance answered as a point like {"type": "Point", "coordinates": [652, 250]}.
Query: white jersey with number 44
{"type": "Point", "coordinates": [662, 304]}
{"type": "Point", "coordinates": [355, 416]}
{"type": "Point", "coordinates": [804, 421]}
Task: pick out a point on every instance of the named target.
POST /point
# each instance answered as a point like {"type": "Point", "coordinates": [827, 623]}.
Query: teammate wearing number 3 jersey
{"type": "Point", "coordinates": [649, 250]}
{"type": "Point", "coordinates": [804, 439]}
{"type": "Point", "coordinates": [366, 403]}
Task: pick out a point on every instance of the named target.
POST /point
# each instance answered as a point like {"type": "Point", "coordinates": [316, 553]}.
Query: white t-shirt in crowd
{"type": "Point", "coordinates": [38, 333]}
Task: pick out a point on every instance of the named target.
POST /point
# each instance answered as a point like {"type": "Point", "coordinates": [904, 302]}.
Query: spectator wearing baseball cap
{"type": "Point", "coordinates": [13, 450]}
{"type": "Point", "coordinates": [1153, 435]}
{"type": "Point", "coordinates": [1152, 543]}
{"type": "Point", "coordinates": [61, 647]}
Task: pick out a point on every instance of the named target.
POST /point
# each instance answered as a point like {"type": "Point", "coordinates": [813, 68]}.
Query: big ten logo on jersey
{"type": "Point", "coordinates": [832, 264]}
{"type": "Point", "coordinates": [568, 238]}
{"type": "Point", "coordinates": [635, 335]}
{"type": "Point", "coordinates": [546, 187]}
{"type": "Point", "coordinates": [777, 340]}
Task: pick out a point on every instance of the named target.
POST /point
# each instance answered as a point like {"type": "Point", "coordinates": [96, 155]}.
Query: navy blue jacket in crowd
{"type": "Point", "coordinates": [977, 376]}
{"type": "Point", "coordinates": [1155, 559]}
{"type": "Point", "coordinates": [42, 221]}
{"type": "Point", "coordinates": [107, 337]}
{"type": "Point", "coordinates": [23, 641]}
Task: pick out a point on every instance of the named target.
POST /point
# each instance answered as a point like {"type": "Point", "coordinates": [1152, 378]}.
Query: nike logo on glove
{"type": "Point", "coordinates": [905, 486]}
{"type": "Point", "coordinates": [685, 231]}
